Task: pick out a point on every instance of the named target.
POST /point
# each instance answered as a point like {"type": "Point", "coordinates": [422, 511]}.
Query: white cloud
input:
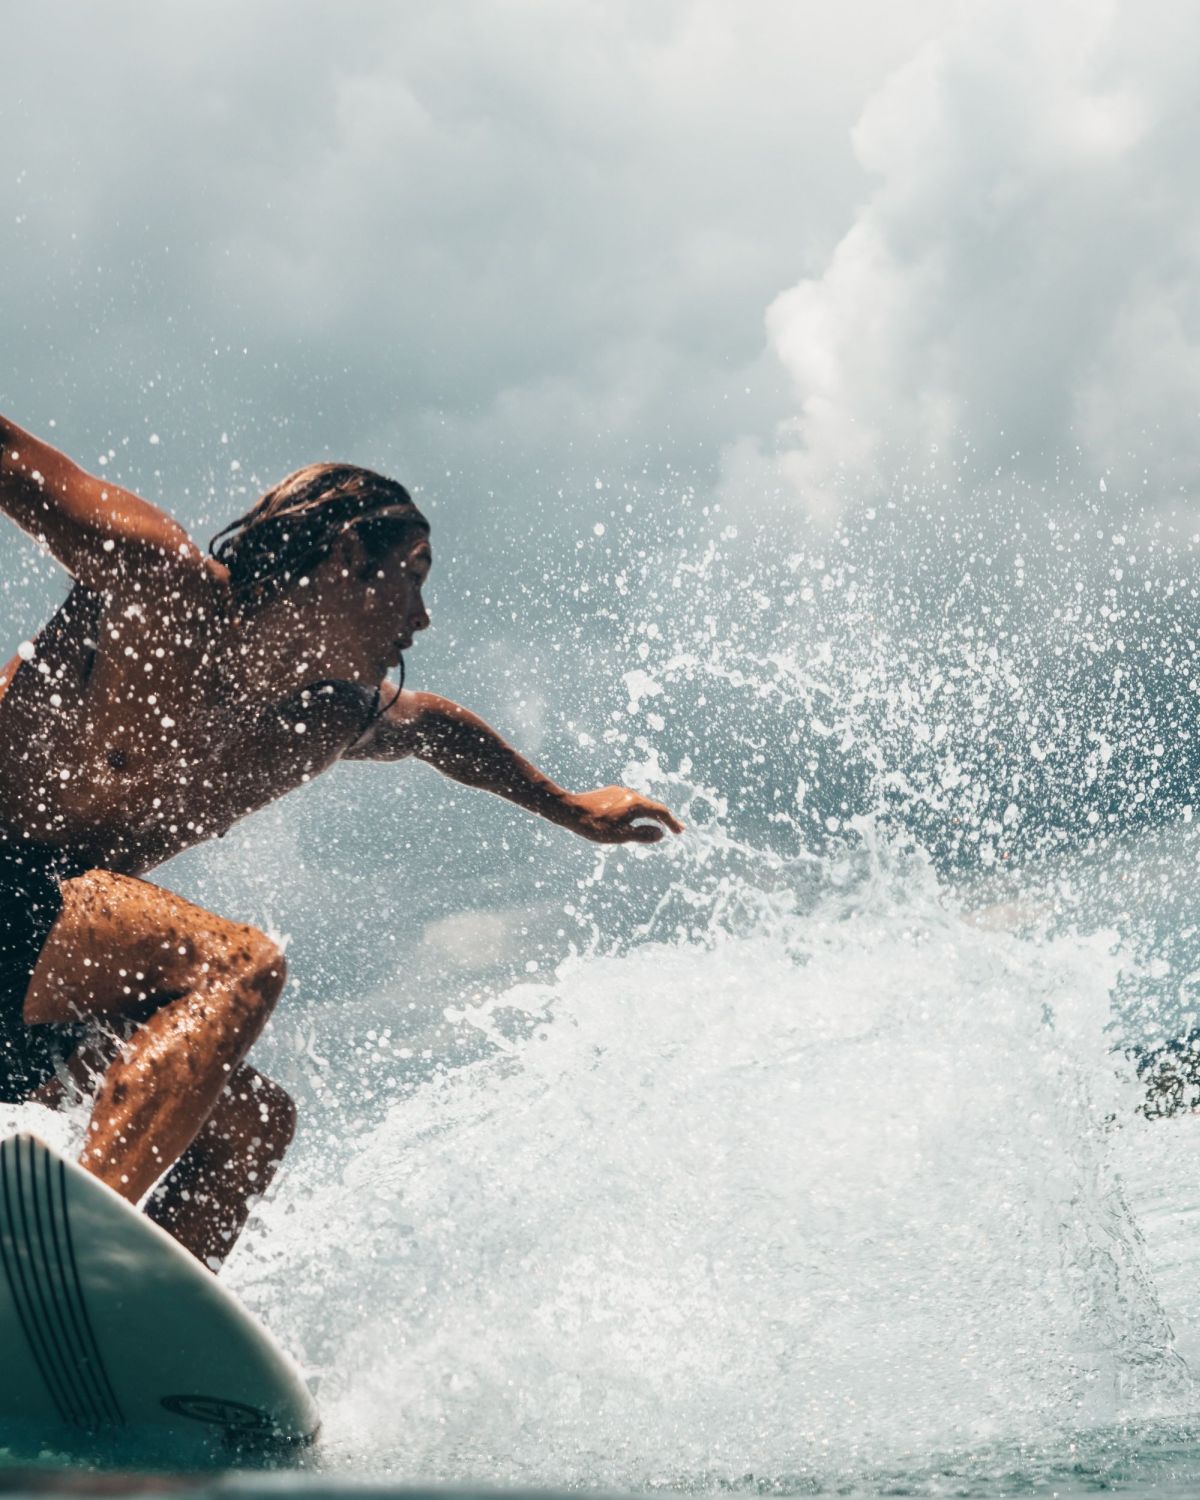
{"type": "Point", "coordinates": [502, 235]}
{"type": "Point", "coordinates": [1021, 280]}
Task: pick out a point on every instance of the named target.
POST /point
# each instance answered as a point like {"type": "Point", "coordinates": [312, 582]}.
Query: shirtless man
{"type": "Point", "coordinates": [170, 695]}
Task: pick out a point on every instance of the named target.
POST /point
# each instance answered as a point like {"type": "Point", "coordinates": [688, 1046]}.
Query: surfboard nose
{"type": "Point", "coordinates": [108, 1324]}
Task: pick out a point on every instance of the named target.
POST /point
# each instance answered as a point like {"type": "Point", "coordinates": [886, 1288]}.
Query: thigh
{"type": "Point", "coordinates": [119, 943]}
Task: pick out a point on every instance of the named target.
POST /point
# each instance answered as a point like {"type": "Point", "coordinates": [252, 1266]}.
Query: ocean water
{"type": "Point", "coordinates": [807, 1153]}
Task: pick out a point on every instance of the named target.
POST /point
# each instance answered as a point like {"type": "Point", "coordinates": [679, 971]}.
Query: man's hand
{"type": "Point", "coordinates": [615, 815]}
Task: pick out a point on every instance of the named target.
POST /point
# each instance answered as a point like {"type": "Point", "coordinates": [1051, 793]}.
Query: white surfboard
{"type": "Point", "coordinates": [108, 1327]}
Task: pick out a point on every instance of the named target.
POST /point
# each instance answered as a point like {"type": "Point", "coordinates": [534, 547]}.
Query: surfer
{"type": "Point", "coordinates": [171, 694]}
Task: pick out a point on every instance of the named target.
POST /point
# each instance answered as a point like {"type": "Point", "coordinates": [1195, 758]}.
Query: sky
{"type": "Point", "coordinates": [501, 248]}
{"type": "Point", "coordinates": [495, 248]}
{"type": "Point", "coordinates": [575, 264]}
{"type": "Point", "coordinates": [1018, 282]}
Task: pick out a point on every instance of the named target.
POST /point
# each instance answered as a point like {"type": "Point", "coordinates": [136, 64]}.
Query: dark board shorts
{"type": "Point", "coordinates": [29, 903]}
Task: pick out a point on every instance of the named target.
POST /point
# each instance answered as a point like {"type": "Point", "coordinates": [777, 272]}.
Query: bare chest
{"type": "Point", "coordinates": [125, 735]}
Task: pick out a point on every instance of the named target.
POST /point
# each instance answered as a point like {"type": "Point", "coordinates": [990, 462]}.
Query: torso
{"type": "Point", "coordinates": [129, 735]}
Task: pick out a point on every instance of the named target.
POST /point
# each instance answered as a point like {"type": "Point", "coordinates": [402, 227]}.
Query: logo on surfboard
{"type": "Point", "coordinates": [234, 1416]}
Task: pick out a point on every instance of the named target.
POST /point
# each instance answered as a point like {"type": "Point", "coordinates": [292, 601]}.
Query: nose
{"type": "Point", "coordinates": [419, 619]}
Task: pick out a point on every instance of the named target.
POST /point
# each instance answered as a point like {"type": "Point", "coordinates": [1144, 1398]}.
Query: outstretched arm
{"type": "Point", "coordinates": [460, 745]}
{"type": "Point", "coordinates": [92, 527]}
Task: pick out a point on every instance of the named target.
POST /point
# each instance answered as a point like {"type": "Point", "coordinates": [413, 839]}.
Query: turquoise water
{"type": "Point", "coordinates": [802, 1156]}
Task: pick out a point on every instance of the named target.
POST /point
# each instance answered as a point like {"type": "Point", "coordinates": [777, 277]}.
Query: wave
{"type": "Point", "coordinates": [829, 1184]}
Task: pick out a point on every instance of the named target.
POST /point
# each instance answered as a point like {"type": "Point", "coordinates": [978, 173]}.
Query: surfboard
{"type": "Point", "coordinates": [108, 1326]}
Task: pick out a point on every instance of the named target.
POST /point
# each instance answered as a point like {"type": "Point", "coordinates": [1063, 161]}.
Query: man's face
{"type": "Point", "coordinates": [394, 584]}
{"type": "Point", "coordinates": [370, 608]}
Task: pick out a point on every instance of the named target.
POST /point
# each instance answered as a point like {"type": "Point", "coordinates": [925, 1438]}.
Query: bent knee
{"type": "Point", "coordinates": [98, 891]}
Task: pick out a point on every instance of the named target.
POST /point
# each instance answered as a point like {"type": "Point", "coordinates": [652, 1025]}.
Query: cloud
{"type": "Point", "coordinates": [510, 239]}
{"type": "Point", "coordinates": [1018, 289]}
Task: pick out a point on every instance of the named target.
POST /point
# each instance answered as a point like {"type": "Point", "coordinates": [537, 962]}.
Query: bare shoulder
{"type": "Point", "coordinates": [185, 589]}
{"type": "Point", "coordinates": [208, 582]}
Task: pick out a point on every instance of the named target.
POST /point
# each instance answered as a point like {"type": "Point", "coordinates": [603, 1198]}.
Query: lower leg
{"type": "Point", "coordinates": [207, 1196]}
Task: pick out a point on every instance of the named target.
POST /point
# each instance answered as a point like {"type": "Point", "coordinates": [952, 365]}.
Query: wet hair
{"type": "Point", "coordinates": [295, 526]}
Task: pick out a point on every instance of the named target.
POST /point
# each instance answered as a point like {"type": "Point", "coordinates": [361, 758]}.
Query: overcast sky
{"type": "Point", "coordinates": [508, 246]}
{"type": "Point", "coordinates": [500, 248]}
{"type": "Point", "coordinates": [483, 245]}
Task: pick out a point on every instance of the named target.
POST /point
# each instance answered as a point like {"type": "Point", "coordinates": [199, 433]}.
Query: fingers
{"type": "Point", "coordinates": [643, 833]}
{"type": "Point", "coordinates": [631, 833]}
{"type": "Point", "coordinates": [665, 815]}
{"type": "Point", "coordinates": [656, 810]}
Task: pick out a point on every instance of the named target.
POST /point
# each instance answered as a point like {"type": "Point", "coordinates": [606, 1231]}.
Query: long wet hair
{"type": "Point", "coordinates": [296, 525]}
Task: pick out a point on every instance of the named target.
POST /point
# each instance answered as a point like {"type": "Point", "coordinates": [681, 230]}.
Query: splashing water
{"type": "Point", "coordinates": [791, 1200]}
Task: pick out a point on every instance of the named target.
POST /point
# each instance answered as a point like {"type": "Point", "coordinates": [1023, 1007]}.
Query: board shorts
{"type": "Point", "coordinates": [30, 901]}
